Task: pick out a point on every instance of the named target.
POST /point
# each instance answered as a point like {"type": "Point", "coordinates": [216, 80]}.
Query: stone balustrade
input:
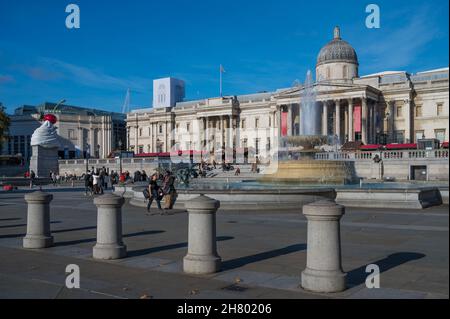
{"type": "Point", "coordinates": [385, 155]}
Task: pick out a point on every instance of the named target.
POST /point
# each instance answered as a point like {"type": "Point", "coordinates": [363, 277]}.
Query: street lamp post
{"type": "Point", "coordinates": [87, 156]}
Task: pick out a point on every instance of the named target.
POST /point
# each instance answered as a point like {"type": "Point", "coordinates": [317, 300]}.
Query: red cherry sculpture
{"type": "Point", "coordinates": [51, 118]}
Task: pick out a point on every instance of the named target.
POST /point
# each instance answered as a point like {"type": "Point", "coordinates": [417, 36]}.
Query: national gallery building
{"type": "Point", "coordinates": [386, 107]}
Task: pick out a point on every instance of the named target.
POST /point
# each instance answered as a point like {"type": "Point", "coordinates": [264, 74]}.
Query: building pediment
{"type": "Point", "coordinates": [326, 89]}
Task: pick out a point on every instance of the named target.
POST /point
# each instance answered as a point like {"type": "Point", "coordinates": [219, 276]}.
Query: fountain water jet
{"type": "Point", "coordinates": [307, 169]}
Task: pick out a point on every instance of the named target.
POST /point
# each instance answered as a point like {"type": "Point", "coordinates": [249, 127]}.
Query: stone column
{"type": "Point", "coordinates": [323, 271]}
{"type": "Point", "coordinates": [279, 117]}
{"type": "Point", "coordinates": [202, 257]}
{"type": "Point", "coordinates": [136, 139]}
{"type": "Point", "coordinates": [375, 126]}
{"type": "Point", "coordinates": [91, 141]}
{"type": "Point", "coordinates": [391, 120]}
{"type": "Point", "coordinates": [109, 227]}
{"type": "Point", "coordinates": [337, 129]}
{"type": "Point", "coordinates": [408, 128]}
{"type": "Point", "coordinates": [364, 120]}
{"type": "Point", "coordinates": [289, 119]}
{"type": "Point", "coordinates": [325, 118]}
{"type": "Point", "coordinates": [222, 131]}
{"type": "Point", "coordinates": [80, 139]}
{"type": "Point", "coordinates": [350, 121]}
{"type": "Point", "coordinates": [155, 137]}
{"type": "Point", "coordinates": [38, 221]}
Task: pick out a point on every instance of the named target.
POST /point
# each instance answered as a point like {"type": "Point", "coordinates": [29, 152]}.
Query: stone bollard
{"type": "Point", "coordinates": [38, 221]}
{"type": "Point", "coordinates": [323, 271]}
{"type": "Point", "coordinates": [202, 257]}
{"type": "Point", "coordinates": [109, 228]}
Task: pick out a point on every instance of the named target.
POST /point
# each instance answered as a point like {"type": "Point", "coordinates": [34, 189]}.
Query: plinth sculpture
{"type": "Point", "coordinates": [45, 145]}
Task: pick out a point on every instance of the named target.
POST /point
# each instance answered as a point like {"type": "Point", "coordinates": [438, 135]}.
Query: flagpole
{"type": "Point", "coordinates": [220, 71]}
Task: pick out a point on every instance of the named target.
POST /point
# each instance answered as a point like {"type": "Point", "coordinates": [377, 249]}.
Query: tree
{"type": "Point", "coordinates": [4, 125]}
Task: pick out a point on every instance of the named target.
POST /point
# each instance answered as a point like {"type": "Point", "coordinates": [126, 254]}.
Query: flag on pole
{"type": "Point", "coordinates": [222, 70]}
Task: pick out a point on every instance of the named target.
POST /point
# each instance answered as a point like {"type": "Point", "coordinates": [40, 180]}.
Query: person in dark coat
{"type": "Point", "coordinates": [154, 192]}
{"type": "Point", "coordinates": [169, 190]}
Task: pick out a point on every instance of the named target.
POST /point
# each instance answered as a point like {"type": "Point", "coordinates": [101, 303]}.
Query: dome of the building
{"type": "Point", "coordinates": [337, 50]}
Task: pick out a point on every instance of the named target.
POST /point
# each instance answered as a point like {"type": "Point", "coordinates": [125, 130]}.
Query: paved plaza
{"type": "Point", "coordinates": [263, 253]}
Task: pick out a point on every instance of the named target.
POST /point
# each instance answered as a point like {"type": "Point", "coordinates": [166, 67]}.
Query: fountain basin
{"type": "Point", "coordinates": [245, 199]}
{"type": "Point", "coordinates": [309, 171]}
{"type": "Point", "coordinates": [407, 198]}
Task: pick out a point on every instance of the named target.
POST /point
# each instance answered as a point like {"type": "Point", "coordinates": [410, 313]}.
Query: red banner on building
{"type": "Point", "coordinates": [284, 123]}
{"type": "Point", "coordinates": [357, 118]}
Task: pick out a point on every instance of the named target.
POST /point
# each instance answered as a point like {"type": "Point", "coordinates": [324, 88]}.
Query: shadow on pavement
{"type": "Point", "coordinates": [358, 276]}
{"type": "Point", "coordinates": [242, 261]}
{"type": "Point", "coordinates": [9, 219]}
{"type": "Point", "coordinates": [24, 225]}
{"type": "Point", "coordinates": [145, 251]}
{"type": "Point", "coordinates": [88, 240]}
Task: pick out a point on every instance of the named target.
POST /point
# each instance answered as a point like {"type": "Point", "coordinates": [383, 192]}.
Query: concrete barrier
{"type": "Point", "coordinates": [109, 228]}
{"type": "Point", "coordinates": [38, 221]}
{"type": "Point", "coordinates": [323, 271]}
{"type": "Point", "coordinates": [202, 257]}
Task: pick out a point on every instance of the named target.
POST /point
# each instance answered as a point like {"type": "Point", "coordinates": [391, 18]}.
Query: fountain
{"type": "Point", "coordinates": [308, 170]}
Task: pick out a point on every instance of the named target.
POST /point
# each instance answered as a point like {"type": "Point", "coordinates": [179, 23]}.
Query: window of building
{"type": "Point", "coordinates": [160, 129]}
{"type": "Point", "coordinates": [140, 131]}
{"type": "Point", "coordinates": [440, 134]}
{"type": "Point", "coordinates": [141, 149]}
{"type": "Point", "coordinates": [345, 71]}
{"type": "Point", "coordinates": [243, 124]}
{"type": "Point", "coordinates": [418, 110]}
{"type": "Point", "coordinates": [245, 142]}
{"type": "Point", "coordinates": [188, 127]}
{"type": "Point", "coordinates": [268, 144]}
{"type": "Point", "coordinates": [71, 134]}
{"type": "Point", "coordinates": [328, 75]}
{"type": "Point", "coordinates": [177, 127]}
{"type": "Point", "coordinates": [270, 121]}
{"type": "Point", "coordinates": [420, 135]}
{"type": "Point", "coordinates": [257, 141]}
{"type": "Point", "coordinates": [149, 131]}
{"type": "Point", "coordinates": [399, 112]}
{"type": "Point", "coordinates": [439, 108]}
{"type": "Point", "coordinates": [256, 122]}
{"type": "Point", "coordinates": [399, 137]}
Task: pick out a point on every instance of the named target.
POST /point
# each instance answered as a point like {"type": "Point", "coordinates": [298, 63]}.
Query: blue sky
{"type": "Point", "coordinates": [263, 45]}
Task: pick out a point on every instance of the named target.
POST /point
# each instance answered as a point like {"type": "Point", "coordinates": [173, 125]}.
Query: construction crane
{"type": "Point", "coordinates": [126, 103]}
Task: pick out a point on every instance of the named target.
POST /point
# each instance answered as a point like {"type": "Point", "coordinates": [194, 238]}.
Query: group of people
{"type": "Point", "coordinates": [161, 187]}
{"type": "Point", "coordinates": [96, 181]}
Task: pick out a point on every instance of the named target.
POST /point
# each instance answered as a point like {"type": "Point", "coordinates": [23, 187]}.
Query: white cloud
{"type": "Point", "coordinates": [95, 78]}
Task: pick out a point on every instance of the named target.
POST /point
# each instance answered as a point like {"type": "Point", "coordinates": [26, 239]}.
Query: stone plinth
{"type": "Point", "coordinates": [44, 160]}
{"type": "Point", "coordinates": [109, 228]}
{"type": "Point", "coordinates": [323, 271]}
{"type": "Point", "coordinates": [38, 221]}
{"type": "Point", "coordinates": [202, 257]}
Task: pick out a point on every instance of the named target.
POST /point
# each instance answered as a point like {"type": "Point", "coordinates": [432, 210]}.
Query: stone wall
{"type": "Point", "coordinates": [78, 167]}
